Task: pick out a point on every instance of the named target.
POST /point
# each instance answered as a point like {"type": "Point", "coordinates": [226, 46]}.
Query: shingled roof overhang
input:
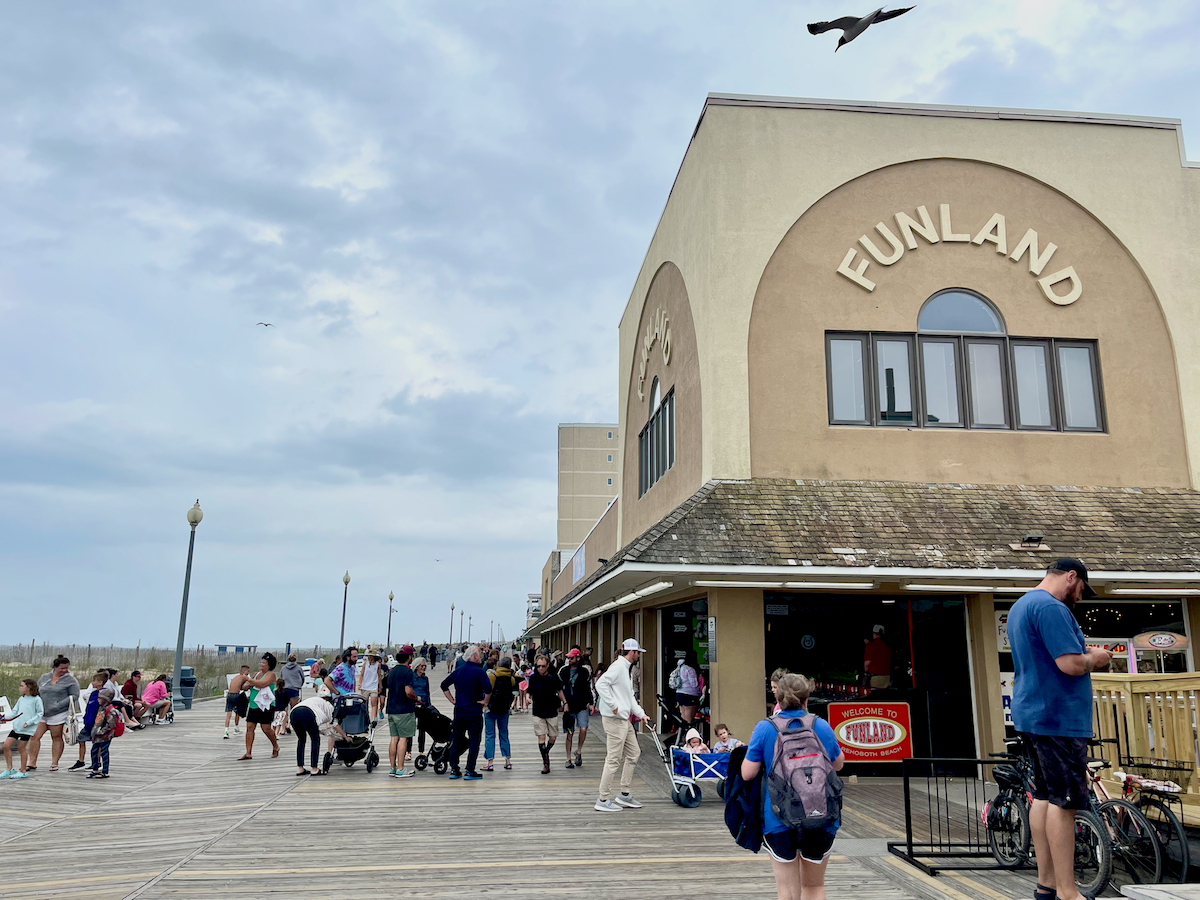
{"type": "Point", "coordinates": [784, 531]}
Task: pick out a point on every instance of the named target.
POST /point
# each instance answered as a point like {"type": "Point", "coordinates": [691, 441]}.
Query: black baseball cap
{"type": "Point", "coordinates": [1070, 564]}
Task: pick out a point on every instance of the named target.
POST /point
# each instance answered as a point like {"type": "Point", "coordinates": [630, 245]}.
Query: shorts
{"type": "Point", "coordinates": [582, 719]}
{"type": "Point", "coordinates": [231, 701]}
{"type": "Point", "coordinates": [545, 727]}
{"type": "Point", "coordinates": [257, 716]}
{"type": "Point", "coordinates": [402, 725]}
{"type": "Point", "coordinates": [813, 845]}
{"type": "Point", "coordinates": [17, 736]}
{"type": "Point", "coordinates": [687, 699]}
{"type": "Point", "coordinates": [290, 693]}
{"type": "Point", "coordinates": [369, 694]}
{"type": "Point", "coordinates": [60, 719]}
{"type": "Point", "coordinates": [881, 681]}
{"type": "Point", "coordinates": [1060, 774]}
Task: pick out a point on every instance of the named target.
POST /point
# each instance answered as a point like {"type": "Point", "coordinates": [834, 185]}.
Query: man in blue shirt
{"type": "Point", "coordinates": [472, 690]}
{"type": "Point", "coordinates": [1052, 708]}
{"type": "Point", "coordinates": [401, 712]}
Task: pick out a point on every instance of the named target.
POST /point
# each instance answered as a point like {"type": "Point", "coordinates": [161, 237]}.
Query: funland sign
{"type": "Point", "coordinates": [872, 732]}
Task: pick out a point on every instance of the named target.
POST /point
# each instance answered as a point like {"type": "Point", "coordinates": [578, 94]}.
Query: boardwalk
{"type": "Point", "coordinates": [183, 818]}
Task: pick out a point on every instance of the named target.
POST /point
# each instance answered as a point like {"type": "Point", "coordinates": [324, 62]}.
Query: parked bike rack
{"type": "Point", "coordinates": [947, 822]}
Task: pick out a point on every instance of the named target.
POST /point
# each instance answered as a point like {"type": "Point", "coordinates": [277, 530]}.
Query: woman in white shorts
{"type": "Point", "coordinates": [56, 688]}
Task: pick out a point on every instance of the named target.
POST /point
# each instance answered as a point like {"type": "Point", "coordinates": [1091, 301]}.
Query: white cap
{"type": "Point", "coordinates": [878, 629]}
{"type": "Point", "coordinates": [631, 644]}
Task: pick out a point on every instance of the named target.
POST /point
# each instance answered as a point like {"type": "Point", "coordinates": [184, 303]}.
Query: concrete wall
{"type": "Point", "coordinates": [738, 675]}
{"type": "Point", "coordinates": [801, 296]}
{"type": "Point", "coordinates": [752, 171]}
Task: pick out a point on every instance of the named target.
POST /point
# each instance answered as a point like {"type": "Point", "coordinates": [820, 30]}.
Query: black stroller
{"type": "Point", "coordinates": [352, 714]}
{"type": "Point", "coordinates": [440, 730]}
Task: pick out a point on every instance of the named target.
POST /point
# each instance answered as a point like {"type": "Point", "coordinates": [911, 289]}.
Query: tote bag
{"type": "Point", "coordinates": [262, 698]}
{"type": "Point", "coordinates": [74, 723]}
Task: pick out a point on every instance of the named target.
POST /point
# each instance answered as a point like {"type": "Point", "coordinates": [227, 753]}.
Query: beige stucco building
{"type": "Point", "coordinates": [589, 464]}
{"type": "Point", "coordinates": [881, 365]}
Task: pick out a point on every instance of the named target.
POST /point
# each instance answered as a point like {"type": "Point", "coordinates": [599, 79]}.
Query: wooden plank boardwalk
{"type": "Point", "coordinates": [181, 817]}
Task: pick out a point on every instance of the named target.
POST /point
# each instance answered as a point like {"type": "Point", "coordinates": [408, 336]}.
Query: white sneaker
{"type": "Point", "coordinates": [237, 730]}
{"type": "Point", "coordinates": [627, 801]}
{"type": "Point", "coordinates": [226, 734]}
{"type": "Point", "coordinates": [606, 806]}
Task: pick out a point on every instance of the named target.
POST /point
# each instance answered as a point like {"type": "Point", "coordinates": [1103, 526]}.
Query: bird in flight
{"type": "Point", "coordinates": [852, 26]}
{"type": "Point", "coordinates": [266, 324]}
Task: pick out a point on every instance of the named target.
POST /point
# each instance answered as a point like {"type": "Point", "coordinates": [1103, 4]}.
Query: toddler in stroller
{"type": "Point", "coordinates": [353, 731]}
{"type": "Point", "coordinates": [439, 728]}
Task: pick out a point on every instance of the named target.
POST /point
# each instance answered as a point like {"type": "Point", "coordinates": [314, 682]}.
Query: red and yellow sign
{"type": "Point", "coordinates": [872, 732]}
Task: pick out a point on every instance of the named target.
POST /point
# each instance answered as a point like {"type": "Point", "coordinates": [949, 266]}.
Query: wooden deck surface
{"type": "Point", "coordinates": [181, 817]}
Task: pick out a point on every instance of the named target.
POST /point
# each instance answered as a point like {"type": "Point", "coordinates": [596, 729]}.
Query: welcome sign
{"type": "Point", "coordinates": [872, 732]}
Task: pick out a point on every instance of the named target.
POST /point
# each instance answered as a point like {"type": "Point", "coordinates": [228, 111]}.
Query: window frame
{"type": "Point", "coordinates": [935, 337]}
{"type": "Point", "coordinates": [864, 340]}
{"type": "Point", "coordinates": [875, 412]}
{"type": "Point", "coordinates": [1001, 344]}
{"type": "Point", "coordinates": [1052, 389]}
{"type": "Point", "coordinates": [1003, 332]}
{"type": "Point", "coordinates": [656, 443]}
{"type": "Point", "coordinates": [1093, 349]}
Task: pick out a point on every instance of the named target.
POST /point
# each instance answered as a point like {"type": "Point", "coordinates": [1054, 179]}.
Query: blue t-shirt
{"type": "Point", "coordinates": [398, 701]}
{"type": "Point", "coordinates": [761, 749]}
{"type": "Point", "coordinates": [1046, 700]}
{"type": "Point", "coordinates": [471, 685]}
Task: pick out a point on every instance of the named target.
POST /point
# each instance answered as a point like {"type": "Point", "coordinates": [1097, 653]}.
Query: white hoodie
{"type": "Point", "coordinates": [615, 689]}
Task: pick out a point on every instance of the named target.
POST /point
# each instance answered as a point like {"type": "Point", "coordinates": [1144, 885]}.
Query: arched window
{"type": "Point", "coordinates": [960, 369]}
{"type": "Point", "coordinates": [959, 311]}
{"type": "Point", "coordinates": [656, 443]}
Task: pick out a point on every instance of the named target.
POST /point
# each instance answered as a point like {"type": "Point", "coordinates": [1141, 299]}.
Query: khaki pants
{"type": "Point", "coordinates": [881, 681]}
{"type": "Point", "coordinates": [621, 735]}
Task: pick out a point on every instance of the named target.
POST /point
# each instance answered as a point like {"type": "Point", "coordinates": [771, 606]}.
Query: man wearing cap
{"type": "Point", "coordinates": [618, 706]}
{"type": "Point", "coordinates": [401, 712]}
{"type": "Point", "coordinates": [877, 660]}
{"type": "Point", "coordinates": [1052, 709]}
{"type": "Point", "coordinates": [576, 678]}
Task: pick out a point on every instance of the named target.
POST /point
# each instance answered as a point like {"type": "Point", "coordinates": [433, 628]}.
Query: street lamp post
{"type": "Point", "coordinates": [345, 593]}
{"type": "Point", "coordinates": [391, 609]}
{"type": "Point", "coordinates": [451, 627]}
{"type": "Point", "coordinates": [194, 515]}
{"type": "Point", "coordinates": [469, 628]}
{"type": "Point", "coordinates": [461, 613]}
{"type": "Point", "coordinates": [490, 624]}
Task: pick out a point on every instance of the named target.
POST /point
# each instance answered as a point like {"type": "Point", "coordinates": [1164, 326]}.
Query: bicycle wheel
{"type": "Point", "coordinates": [1008, 829]}
{"type": "Point", "coordinates": [1171, 836]}
{"type": "Point", "coordinates": [1136, 853]}
{"type": "Point", "coordinates": [1093, 854]}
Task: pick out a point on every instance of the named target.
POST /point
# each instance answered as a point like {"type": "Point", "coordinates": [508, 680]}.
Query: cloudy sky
{"type": "Point", "coordinates": [441, 207]}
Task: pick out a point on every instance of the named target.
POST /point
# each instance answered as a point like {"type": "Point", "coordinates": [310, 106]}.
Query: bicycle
{"type": "Point", "coordinates": [1010, 837]}
{"type": "Point", "coordinates": [1154, 790]}
{"type": "Point", "coordinates": [1135, 847]}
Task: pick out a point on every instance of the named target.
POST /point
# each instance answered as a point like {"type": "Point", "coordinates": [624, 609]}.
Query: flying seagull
{"type": "Point", "coordinates": [265, 324]}
{"type": "Point", "coordinates": [852, 26]}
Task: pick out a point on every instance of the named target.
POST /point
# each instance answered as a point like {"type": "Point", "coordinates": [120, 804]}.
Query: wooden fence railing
{"type": "Point", "coordinates": [1152, 717]}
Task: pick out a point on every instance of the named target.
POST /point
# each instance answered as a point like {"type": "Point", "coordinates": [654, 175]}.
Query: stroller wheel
{"type": "Point", "coordinates": [372, 761]}
{"type": "Point", "coordinates": [721, 788]}
{"type": "Point", "coordinates": [441, 767]}
{"type": "Point", "coordinates": [327, 762]}
{"type": "Point", "coordinates": [420, 762]}
{"type": "Point", "coordinates": [690, 796]}
{"type": "Point", "coordinates": [350, 762]}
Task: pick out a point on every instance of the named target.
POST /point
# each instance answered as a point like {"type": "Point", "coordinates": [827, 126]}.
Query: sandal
{"type": "Point", "coordinates": [54, 768]}
{"type": "Point", "coordinates": [489, 768]}
{"type": "Point", "coordinates": [274, 753]}
{"type": "Point", "coordinates": [508, 765]}
{"type": "Point", "coordinates": [247, 756]}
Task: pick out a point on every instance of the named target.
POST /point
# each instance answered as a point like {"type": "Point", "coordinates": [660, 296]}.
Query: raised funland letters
{"type": "Point", "coordinates": [994, 232]}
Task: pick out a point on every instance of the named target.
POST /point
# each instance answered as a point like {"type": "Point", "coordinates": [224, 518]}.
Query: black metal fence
{"type": "Point", "coordinates": [945, 804]}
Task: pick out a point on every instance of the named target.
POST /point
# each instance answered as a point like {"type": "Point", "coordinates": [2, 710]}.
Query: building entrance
{"type": "Point", "coordinates": [826, 636]}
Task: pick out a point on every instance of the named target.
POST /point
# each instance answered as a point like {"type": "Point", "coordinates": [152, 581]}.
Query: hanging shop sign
{"type": "Point", "coordinates": [1164, 641]}
{"type": "Point", "coordinates": [1062, 287]}
{"type": "Point", "coordinates": [872, 732]}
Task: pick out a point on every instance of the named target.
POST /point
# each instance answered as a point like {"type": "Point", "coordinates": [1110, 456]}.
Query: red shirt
{"type": "Point", "coordinates": [877, 658]}
{"type": "Point", "coordinates": [129, 689]}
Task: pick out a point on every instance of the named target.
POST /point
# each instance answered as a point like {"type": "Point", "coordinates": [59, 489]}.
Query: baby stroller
{"type": "Point", "coordinates": [352, 714]}
{"type": "Point", "coordinates": [674, 724]}
{"type": "Point", "coordinates": [685, 769]}
{"type": "Point", "coordinates": [440, 730]}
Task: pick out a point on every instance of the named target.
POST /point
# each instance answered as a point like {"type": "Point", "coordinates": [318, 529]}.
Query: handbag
{"type": "Point", "coordinates": [74, 723]}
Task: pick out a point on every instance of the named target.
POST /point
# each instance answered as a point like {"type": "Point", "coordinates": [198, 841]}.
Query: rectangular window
{"type": "Point", "coordinates": [939, 360]}
{"type": "Point", "coordinates": [610, 457]}
{"type": "Point", "coordinates": [988, 390]}
{"type": "Point", "coordinates": [610, 482]}
{"type": "Point", "coordinates": [610, 435]}
{"type": "Point", "coordinates": [893, 381]}
{"type": "Point", "coordinates": [1031, 377]}
{"type": "Point", "coordinates": [1078, 386]}
{"type": "Point", "coordinates": [847, 380]}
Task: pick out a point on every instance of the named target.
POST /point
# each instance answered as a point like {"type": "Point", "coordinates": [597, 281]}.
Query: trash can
{"type": "Point", "coordinates": [187, 686]}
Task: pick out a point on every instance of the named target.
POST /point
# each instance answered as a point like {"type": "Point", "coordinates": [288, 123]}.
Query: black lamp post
{"type": "Point", "coordinates": [451, 627]}
{"type": "Point", "coordinates": [194, 515]}
{"type": "Point", "coordinates": [391, 609]}
{"type": "Point", "coordinates": [461, 613]}
{"type": "Point", "coordinates": [345, 594]}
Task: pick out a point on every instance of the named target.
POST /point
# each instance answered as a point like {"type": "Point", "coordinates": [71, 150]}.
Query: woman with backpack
{"type": "Point", "coordinates": [798, 758]}
{"type": "Point", "coordinates": [495, 717]}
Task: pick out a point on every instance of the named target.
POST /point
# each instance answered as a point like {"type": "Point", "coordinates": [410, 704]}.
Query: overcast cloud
{"type": "Point", "coordinates": [441, 207]}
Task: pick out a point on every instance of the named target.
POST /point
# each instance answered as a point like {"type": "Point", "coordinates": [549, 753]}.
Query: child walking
{"type": "Point", "coordinates": [104, 729]}
{"type": "Point", "coordinates": [25, 716]}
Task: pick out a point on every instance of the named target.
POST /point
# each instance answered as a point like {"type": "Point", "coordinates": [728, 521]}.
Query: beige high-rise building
{"type": "Point", "coordinates": [589, 460]}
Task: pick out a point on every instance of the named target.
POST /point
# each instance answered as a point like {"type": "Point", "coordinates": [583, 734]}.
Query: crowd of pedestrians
{"type": "Point", "coordinates": [56, 705]}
